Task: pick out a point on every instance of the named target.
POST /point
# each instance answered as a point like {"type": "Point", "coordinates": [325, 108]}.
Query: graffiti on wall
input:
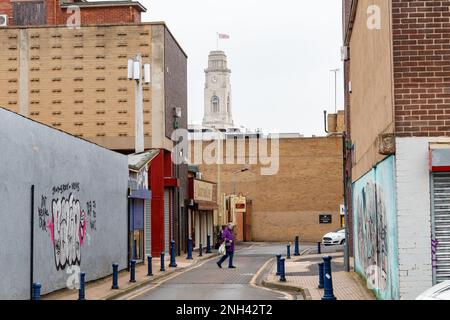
{"type": "Point", "coordinates": [43, 214]}
{"type": "Point", "coordinates": [371, 229]}
{"type": "Point", "coordinates": [66, 222]}
{"type": "Point", "coordinates": [375, 229]}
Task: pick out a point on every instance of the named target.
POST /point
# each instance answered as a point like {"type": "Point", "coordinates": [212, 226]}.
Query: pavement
{"type": "Point", "coordinates": [253, 279]}
{"type": "Point", "coordinates": [207, 282]}
{"type": "Point", "coordinates": [302, 275]}
{"type": "Point", "coordinates": [101, 289]}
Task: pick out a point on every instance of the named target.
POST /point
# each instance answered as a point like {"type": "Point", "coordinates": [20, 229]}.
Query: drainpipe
{"type": "Point", "coordinates": [347, 226]}
{"type": "Point", "coordinates": [128, 230]}
{"type": "Point", "coordinates": [32, 242]}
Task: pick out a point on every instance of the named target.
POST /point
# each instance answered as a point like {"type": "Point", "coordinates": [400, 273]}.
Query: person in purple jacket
{"type": "Point", "coordinates": [228, 239]}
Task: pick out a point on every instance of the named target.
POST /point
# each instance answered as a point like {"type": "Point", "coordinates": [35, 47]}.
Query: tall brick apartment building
{"type": "Point", "coordinates": [75, 79]}
{"type": "Point", "coordinates": [397, 76]}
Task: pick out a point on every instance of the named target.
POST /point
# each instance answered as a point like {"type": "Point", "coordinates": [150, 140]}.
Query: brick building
{"type": "Point", "coordinates": [397, 76]}
{"type": "Point", "coordinates": [291, 202]}
{"type": "Point", "coordinates": [50, 12]}
{"type": "Point", "coordinates": [75, 80]}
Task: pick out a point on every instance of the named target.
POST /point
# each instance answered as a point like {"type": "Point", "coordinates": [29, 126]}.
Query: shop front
{"type": "Point", "coordinates": [139, 208]}
{"type": "Point", "coordinates": [201, 211]}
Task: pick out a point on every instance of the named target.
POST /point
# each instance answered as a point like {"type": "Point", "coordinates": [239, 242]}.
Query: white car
{"type": "Point", "coordinates": [334, 238]}
{"type": "Point", "coordinates": [438, 292]}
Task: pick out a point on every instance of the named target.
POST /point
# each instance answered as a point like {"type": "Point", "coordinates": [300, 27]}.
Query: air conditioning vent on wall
{"type": "Point", "coordinates": [3, 20]}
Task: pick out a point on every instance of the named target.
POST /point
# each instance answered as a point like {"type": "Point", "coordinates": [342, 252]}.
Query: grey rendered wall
{"type": "Point", "coordinates": [75, 182]}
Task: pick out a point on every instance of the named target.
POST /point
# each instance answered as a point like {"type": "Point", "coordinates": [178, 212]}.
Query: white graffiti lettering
{"type": "Point", "coordinates": [68, 231]}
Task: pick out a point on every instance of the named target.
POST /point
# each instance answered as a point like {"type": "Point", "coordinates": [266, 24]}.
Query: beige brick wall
{"type": "Point", "coordinates": [372, 111]}
{"type": "Point", "coordinates": [77, 79]}
{"type": "Point", "coordinates": [309, 183]}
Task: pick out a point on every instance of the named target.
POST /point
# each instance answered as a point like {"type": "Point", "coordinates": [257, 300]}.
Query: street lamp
{"type": "Point", "coordinates": [135, 73]}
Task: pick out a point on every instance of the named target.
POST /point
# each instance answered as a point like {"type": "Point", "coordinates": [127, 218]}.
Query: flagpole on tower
{"type": "Point", "coordinates": [217, 40]}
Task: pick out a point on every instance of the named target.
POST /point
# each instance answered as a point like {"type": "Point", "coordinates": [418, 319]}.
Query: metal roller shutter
{"type": "Point", "coordinates": [441, 227]}
{"type": "Point", "coordinates": [148, 228]}
{"type": "Point", "coordinates": [166, 219]}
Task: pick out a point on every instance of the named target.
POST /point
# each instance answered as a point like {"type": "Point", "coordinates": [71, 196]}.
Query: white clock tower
{"type": "Point", "coordinates": [218, 110]}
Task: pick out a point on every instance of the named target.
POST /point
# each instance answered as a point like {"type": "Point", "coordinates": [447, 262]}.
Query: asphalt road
{"type": "Point", "coordinates": [208, 282]}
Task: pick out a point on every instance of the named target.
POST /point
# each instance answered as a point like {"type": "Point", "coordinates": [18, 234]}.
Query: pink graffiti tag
{"type": "Point", "coordinates": [82, 227]}
{"type": "Point", "coordinates": [51, 230]}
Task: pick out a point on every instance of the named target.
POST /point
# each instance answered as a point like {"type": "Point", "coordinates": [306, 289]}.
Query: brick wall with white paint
{"type": "Point", "coordinates": [414, 215]}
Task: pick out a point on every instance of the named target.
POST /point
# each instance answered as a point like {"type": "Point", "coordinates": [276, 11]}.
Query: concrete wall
{"type": "Point", "coordinates": [414, 215]}
{"type": "Point", "coordinates": [371, 76]}
{"type": "Point", "coordinates": [75, 181]}
{"type": "Point", "coordinates": [375, 229]}
{"type": "Point", "coordinates": [288, 203]}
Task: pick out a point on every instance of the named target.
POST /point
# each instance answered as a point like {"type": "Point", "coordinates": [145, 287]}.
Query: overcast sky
{"type": "Point", "coordinates": [280, 53]}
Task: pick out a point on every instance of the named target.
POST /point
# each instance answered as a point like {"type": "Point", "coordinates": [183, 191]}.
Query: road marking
{"type": "Point", "coordinates": [285, 295]}
{"type": "Point", "coordinates": [152, 286]}
{"type": "Point", "coordinates": [146, 289]}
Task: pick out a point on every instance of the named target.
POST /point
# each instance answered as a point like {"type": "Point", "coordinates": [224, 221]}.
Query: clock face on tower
{"type": "Point", "coordinates": [214, 79]}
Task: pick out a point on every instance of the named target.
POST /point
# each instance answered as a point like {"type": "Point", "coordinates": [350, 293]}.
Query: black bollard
{"type": "Point", "coordinates": [162, 262]}
{"type": "Point", "coordinates": [81, 291]}
{"type": "Point", "coordinates": [133, 271]}
{"type": "Point", "coordinates": [173, 263]}
{"type": "Point", "coordinates": [328, 280]}
{"type": "Point", "coordinates": [36, 291]}
{"type": "Point", "coordinates": [288, 256]}
{"type": "Point", "coordinates": [296, 247]}
{"type": "Point", "coordinates": [282, 270]}
{"type": "Point", "coordinates": [278, 264]}
{"type": "Point", "coordinates": [321, 274]}
{"type": "Point", "coordinates": [319, 249]}
{"type": "Point", "coordinates": [200, 250]}
{"type": "Point", "coordinates": [115, 284]}
{"type": "Point", "coordinates": [189, 256]}
{"type": "Point", "coordinates": [149, 266]}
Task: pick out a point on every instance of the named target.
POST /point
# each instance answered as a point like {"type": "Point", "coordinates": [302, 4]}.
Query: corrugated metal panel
{"type": "Point", "coordinates": [166, 219]}
{"type": "Point", "coordinates": [29, 13]}
{"type": "Point", "coordinates": [441, 227]}
{"type": "Point", "coordinates": [138, 214]}
{"type": "Point", "coordinates": [148, 228]}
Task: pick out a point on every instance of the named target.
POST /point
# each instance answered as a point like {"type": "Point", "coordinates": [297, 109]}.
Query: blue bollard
{"type": "Point", "coordinates": [81, 291]}
{"type": "Point", "coordinates": [189, 257]}
{"type": "Point", "coordinates": [133, 271]}
{"type": "Point", "coordinates": [321, 274]}
{"type": "Point", "coordinates": [288, 256]}
{"type": "Point", "coordinates": [208, 244]}
{"type": "Point", "coordinates": [36, 291]}
{"type": "Point", "coordinates": [200, 250]}
{"type": "Point", "coordinates": [328, 281]}
{"type": "Point", "coordinates": [115, 277]}
{"type": "Point", "coordinates": [282, 270]}
{"type": "Point", "coordinates": [149, 266]}
{"type": "Point", "coordinates": [162, 262]}
{"type": "Point", "coordinates": [173, 263]}
{"type": "Point", "coordinates": [278, 264]}
{"type": "Point", "coordinates": [319, 247]}
{"type": "Point", "coordinates": [297, 247]}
